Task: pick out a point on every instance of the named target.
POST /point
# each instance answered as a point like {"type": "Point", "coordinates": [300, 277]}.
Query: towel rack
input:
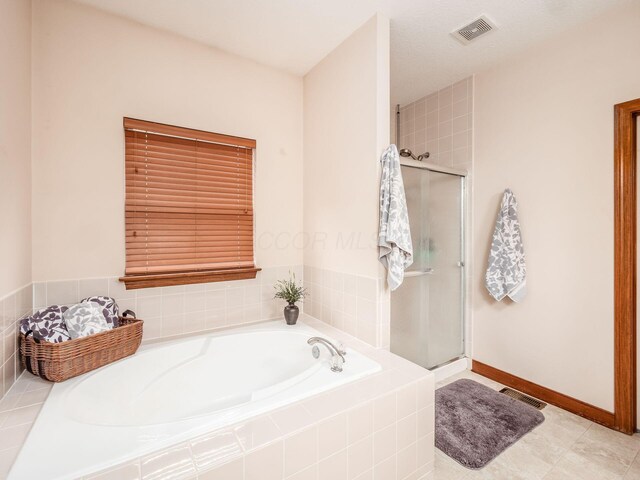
{"type": "Point", "coordinates": [418, 273]}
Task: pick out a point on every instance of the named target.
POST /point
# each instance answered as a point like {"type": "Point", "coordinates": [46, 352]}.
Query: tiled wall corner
{"type": "Point", "coordinates": [178, 310]}
{"type": "Point", "coordinates": [12, 307]}
{"type": "Point", "coordinates": [441, 124]}
{"type": "Point", "coordinates": [348, 302]}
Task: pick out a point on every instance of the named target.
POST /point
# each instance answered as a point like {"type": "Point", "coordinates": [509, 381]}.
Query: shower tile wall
{"type": "Point", "coordinates": [442, 124]}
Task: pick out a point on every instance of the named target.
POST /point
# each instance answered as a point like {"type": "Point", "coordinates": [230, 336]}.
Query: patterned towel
{"type": "Point", "coordinates": [83, 319]}
{"type": "Point", "coordinates": [109, 308]}
{"type": "Point", "coordinates": [394, 235]}
{"type": "Point", "coordinates": [47, 324]}
{"type": "Point", "coordinates": [506, 272]}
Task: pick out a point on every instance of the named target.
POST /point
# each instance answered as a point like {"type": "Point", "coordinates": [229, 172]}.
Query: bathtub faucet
{"type": "Point", "coordinates": [337, 353]}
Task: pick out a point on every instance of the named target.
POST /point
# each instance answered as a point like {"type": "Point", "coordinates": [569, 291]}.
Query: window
{"type": "Point", "coordinates": [188, 206]}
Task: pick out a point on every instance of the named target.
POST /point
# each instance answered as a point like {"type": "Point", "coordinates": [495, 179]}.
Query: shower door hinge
{"type": "Point", "coordinates": [461, 264]}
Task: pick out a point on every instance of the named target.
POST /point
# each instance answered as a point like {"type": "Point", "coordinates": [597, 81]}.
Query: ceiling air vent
{"type": "Point", "coordinates": [470, 32]}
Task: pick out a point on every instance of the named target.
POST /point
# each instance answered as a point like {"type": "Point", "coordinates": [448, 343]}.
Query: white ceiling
{"type": "Point", "coordinates": [294, 35]}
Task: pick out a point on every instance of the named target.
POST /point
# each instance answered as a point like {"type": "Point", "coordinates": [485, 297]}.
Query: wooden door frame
{"type": "Point", "coordinates": [625, 198]}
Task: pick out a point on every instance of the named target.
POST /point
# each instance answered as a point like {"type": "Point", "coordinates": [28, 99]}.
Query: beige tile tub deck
{"type": "Point", "coordinates": [326, 437]}
{"type": "Point", "coordinates": [18, 410]}
{"type": "Point", "coordinates": [377, 428]}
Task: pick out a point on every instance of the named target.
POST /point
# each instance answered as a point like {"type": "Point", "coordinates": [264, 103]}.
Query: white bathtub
{"type": "Point", "coordinates": [174, 391]}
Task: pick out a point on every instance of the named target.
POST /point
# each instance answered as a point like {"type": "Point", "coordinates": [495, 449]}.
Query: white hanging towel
{"type": "Point", "coordinates": [506, 272]}
{"type": "Point", "coordinates": [394, 236]}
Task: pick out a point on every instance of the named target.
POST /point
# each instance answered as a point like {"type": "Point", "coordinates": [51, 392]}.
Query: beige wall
{"type": "Point", "coordinates": [544, 127]}
{"type": "Point", "coordinates": [346, 127]}
{"type": "Point", "coordinates": [90, 70]}
{"type": "Point", "coordinates": [15, 145]}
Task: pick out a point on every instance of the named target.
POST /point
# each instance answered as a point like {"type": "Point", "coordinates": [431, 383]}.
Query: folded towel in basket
{"type": "Point", "coordinates": [84, 319]}
{"type": "Point", "coordinates": [47, 324]}
{"type": "Point", "coordinates": [109, 308]}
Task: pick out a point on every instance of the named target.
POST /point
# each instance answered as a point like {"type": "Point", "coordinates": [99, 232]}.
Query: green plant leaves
{"type": "Point", "coordinates": [289, 290]}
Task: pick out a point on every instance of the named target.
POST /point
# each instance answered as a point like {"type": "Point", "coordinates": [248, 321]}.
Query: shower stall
{"type": "Point", "coordinates": [427, 310]}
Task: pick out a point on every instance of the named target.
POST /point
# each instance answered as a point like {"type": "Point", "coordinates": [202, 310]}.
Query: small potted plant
{"type": "Point", "coordinates": [291, 292]}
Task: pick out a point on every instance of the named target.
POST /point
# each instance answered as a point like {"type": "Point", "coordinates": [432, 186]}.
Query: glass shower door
{"type": "Point", "coordinates": [427, 316]}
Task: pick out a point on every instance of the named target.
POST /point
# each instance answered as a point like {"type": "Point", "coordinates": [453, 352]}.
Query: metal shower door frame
{"type": "Point", "coordinates": [463, 174]}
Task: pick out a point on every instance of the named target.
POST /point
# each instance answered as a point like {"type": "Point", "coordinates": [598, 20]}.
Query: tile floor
{"type": "Point", "coordinates": [564, 447]}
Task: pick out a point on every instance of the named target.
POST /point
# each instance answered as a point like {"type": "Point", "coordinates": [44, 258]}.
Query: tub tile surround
{"type": "Point", "coordinates": [167, 311]}
{"type": "Point", "coordinates": [380, 427]}
{"type": "Point", "coordinates": [12, 307]}
{"type": "Point", "coordinates": [356, 304]}
{"type": "Point", "coordinates": [18, 410]}
{"type": "Point", "coordinates": [564, 446]}
{"type": "Point", "coordinates": [185, 309]}
{"type": "Point", "coordinates": [442, 124]}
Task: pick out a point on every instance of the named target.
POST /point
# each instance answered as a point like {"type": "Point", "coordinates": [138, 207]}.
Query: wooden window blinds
{"type": "Point", "coordinates": [188, 206]}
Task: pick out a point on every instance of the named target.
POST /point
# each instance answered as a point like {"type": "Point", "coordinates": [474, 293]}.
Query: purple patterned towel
{"type": "Point", "coordinates": [47, 324]}
{"type": "Point", "coordinates": [109, 308]}
{"type": "Point", "coordinates": [84, 319]}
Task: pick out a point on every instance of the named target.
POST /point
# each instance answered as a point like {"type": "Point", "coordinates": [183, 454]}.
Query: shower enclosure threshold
{"type": "Point", "coordinates": [451, 368]}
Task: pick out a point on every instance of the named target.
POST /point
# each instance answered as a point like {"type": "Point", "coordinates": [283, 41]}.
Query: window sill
{"type": "Point", "coordinates": [187, 278]}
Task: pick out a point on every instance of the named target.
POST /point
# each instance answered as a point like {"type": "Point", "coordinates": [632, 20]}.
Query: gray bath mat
{"type": "Point", "coordinates": [474, 423]}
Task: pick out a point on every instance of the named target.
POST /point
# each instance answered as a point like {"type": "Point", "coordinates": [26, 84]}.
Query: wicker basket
{"type": "Point", "coordinates": [58, 362]}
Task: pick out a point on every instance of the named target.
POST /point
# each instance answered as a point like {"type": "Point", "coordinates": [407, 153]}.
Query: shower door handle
{"type": "Point", "coordinates": [418, 273]}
